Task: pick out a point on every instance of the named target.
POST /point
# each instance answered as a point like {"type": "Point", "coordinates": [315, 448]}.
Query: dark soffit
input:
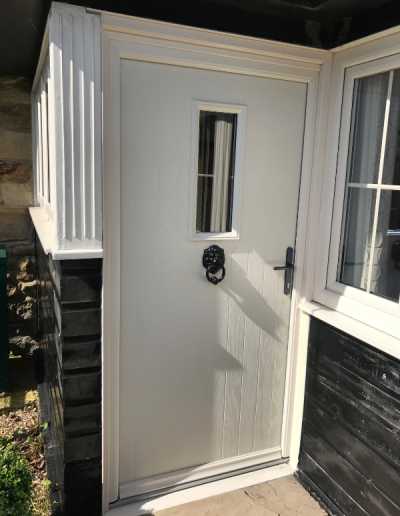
{"type": "Point", "coordinates": [317, 23]}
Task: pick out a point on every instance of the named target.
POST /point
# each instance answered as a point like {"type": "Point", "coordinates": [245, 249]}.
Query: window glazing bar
{"type": "Point", "coordinates": [374, 186]}
{"type": "Point", "coordinates": [379, 185]}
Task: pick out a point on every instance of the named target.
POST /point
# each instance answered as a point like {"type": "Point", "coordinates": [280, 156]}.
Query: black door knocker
{"type": "Point", "coordinates": [213, 261]}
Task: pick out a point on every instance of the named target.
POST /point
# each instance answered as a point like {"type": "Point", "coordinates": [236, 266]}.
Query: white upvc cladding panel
{"type": "Point", "coordinates": [69, 215]}
{"type": "Point", "coordinates": [75, 64]}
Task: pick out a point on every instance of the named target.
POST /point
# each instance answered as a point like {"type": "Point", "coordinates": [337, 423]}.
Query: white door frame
{"type": "Point", "coordinates": [127, 37]}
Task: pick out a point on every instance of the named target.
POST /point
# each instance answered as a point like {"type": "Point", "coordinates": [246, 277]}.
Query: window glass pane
{"type": "Point", "coordinates": [48, 143]}
{"type": "Point", "coordinates": [385, 277]}
{"type": "Point", "coordinates": [217, 138]}
{"type": "Point", "coordinates": [369, 103]}
{"type": "Point", "coordinates": [391, 168]}
{"type": "Point", "coordinates": [356, 237]}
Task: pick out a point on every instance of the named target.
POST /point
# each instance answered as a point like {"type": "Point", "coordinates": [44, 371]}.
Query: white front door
{"type": "Point", "coordinates": [202, 366]}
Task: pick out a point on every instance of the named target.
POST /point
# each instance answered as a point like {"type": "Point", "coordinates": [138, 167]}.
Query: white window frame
{"type": "Point", "coordinates": [42, 143]}
{"type": "Point", "coordinates": [240, 111]}
{"type": "Point", "coordinates": [376, 56]}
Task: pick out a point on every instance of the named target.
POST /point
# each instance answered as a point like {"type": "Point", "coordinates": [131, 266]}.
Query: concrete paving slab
{"type": "Point", "coordinates": [284, 497]}
{"type": "Point", "coordinates": [235, 503]}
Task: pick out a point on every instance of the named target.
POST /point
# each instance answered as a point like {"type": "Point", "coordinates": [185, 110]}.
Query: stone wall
{"type": "Point", "coordinates": [16, 195]}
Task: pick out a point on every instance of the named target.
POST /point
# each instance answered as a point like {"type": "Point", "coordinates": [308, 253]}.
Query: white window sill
{"type": "Point", "coordinates": [376, 338]}
{"type": "Point", "coordinates": [46, 233]}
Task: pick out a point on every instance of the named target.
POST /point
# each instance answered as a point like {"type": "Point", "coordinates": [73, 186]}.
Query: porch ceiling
{"type": "Point", "coordinates": [318, 23]}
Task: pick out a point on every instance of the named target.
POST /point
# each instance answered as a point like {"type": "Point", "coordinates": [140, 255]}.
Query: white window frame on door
{"type": "Point", "coordinates": [377, 54]}
{"type": "Point", "coordinates": [134, 38]}
{"type": "Point", "coordinates": [240, 111]}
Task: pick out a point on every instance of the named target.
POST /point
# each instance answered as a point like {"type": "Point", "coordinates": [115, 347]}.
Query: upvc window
{"type": "Point", "coordinates": [363, 269]}
{"type": "Point", "coordinates": [370, 237]}
{"type": "Point", "coordinates": [41, 143]}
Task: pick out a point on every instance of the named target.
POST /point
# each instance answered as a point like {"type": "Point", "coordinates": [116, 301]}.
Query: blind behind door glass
{"type": "Point", "coordinates": [217, 140]}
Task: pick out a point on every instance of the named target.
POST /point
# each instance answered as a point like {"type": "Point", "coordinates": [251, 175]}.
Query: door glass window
{"type": "Point", "coordinates": [217, 141]}
{"type": "Point", "coordinates": [370, 243]}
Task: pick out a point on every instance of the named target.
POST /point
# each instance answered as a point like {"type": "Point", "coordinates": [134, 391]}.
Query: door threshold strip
{"type": "Point", "coordinates": [185, 493]}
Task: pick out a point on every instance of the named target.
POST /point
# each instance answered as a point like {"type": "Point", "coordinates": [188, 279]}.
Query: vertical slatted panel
{"type": "Point", "coordinates": [75, 57]}
{"type": "Point", "coordinates": [351, 429]}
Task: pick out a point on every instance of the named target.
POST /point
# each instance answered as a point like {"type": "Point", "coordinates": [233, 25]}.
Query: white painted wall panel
{"type": "Point", "coordinates": [75, 123]}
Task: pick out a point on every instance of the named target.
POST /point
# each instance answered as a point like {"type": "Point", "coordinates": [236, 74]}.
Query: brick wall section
{"type": "Point", "coordinates": [16, 230]}
{"type": "Point", "coordinates": [70, 335]}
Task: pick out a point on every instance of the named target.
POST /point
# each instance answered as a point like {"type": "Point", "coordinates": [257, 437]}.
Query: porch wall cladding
{"type": "Point", "coordinates": [350, 445]}
{"type": "Point", "coordinates": [70, 336]}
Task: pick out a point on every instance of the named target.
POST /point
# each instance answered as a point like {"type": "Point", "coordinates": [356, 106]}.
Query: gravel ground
{"type": "Point", "coordinates": [23, 428]}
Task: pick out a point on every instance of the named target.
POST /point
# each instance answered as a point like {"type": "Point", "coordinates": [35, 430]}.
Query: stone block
{"type": "Point", "coordinates": [29, 289]}
{"type": "Point", "coordinates": [15, 171]}
{"type": "Point", "coordinates": [15, 224]}
{"type": "Point", "coordinates": [14, 292]}
{"type": "Point", "coordinates": [15, 117]}
{"type": "Point", "coordinates": [22, 311]}
{"type": "Point", "coordinates": [24, 250]}
{"type": "Point", "coordinates": [26, 269]}
{"type": "Point", "coordinates": [15, 145]}
{"type": "Point", "coordinates": [16, 194]}
{"type": "Point", "coordinates": [15, 90]}
{"type": "Point", "coordinates": [22, 328]}
{"type": "Point", "coordinates": [22, 345]}
{"type": "Point", "coordinates": [17, 253]}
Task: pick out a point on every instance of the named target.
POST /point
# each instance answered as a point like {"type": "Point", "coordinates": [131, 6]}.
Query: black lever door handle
{"type": "Point", "coordinates": [288, 268]}
{"type": "Point", "coordinates": [284, 268]}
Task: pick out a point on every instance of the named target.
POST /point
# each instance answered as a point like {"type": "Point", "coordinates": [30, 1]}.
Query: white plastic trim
{"type": "Point", "coordinates": [193, 474]}
{"type": "Point", "coordinates": [45, 231]}
{"type": "Point", "coordinates": [376, 338]}
{"type": "Point", "coordinates": [373, 56]}
{"type": "Point", "coordinates": [73, 45]}
{"type": "Point", "coordinates": [44, 228]}
{"type": "Point", "coordinates": [240, 111]}
{"type": "Point", "coordinates": [203, 491]}
{"type": "Point", "coordinates": [132, 38]}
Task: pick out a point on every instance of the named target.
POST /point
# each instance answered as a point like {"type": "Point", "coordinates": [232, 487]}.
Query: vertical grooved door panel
{"type": "Point", "coordinates": [202, 369]}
